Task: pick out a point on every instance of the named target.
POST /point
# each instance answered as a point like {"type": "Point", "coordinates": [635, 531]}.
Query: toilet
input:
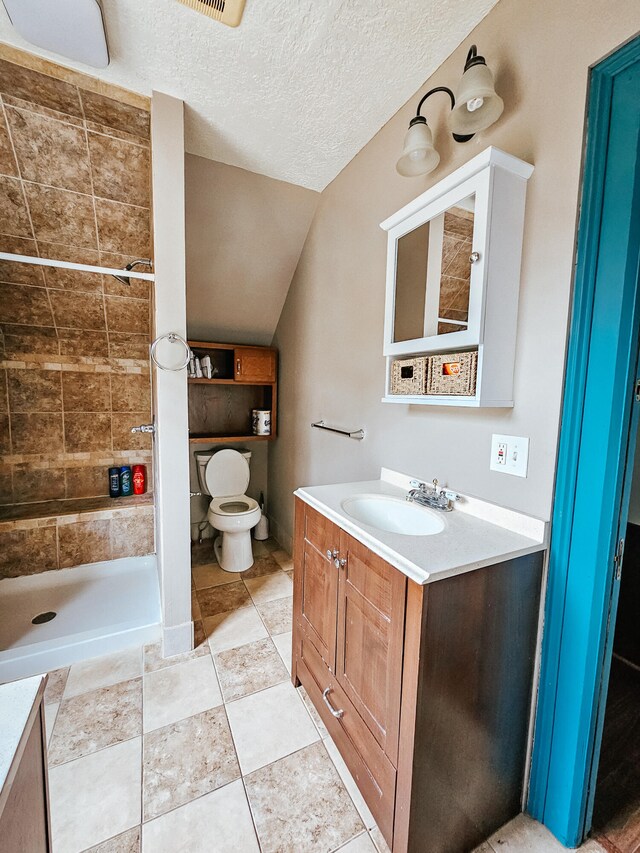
{"type": "Point", "coordinates": [224, 474]}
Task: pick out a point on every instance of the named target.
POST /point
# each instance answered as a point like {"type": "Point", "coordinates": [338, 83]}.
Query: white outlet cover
{"type": "Point", "coordinates": [71, 28]}
{"type": "Point", "coordinates": [516, 459]}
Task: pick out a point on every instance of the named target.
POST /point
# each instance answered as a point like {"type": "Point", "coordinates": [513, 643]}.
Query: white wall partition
{"type": "Point", "coordinates": [170, 387]}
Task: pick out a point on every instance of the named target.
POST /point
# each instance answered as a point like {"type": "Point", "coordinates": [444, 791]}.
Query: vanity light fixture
{"type": "Point", "coordinates": [476, 108]}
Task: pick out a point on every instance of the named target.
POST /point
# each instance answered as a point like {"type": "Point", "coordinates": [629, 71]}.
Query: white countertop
{"type": "Point", "coordinates": [468, 540]}
{"type": "Point", "coordinates": [16, 702]}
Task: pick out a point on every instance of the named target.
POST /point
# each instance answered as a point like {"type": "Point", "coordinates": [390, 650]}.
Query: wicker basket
{"type": "Point", "coordinates": [453, 373]}
{"type": "Point", "coordinates": [409, 376]}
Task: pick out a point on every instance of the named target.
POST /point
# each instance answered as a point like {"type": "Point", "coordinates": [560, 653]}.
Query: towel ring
{"type": "Point", "coordinates": [172, 337]}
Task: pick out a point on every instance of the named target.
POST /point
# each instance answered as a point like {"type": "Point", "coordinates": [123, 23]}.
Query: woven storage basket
{"type": "Point", "coordinates": [453, 373]}
{"type": "Point", "coordinates": [409, 376]}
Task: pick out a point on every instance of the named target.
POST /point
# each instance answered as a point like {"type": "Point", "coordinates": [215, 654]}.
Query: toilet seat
{"type": "Point", "coordinates": [228, 506]}
{"type": "Point", "coordinates": [227, 474]}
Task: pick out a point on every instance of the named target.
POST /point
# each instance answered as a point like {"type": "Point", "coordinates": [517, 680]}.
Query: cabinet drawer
{"type": "Point", "coordinates": [373, 772]}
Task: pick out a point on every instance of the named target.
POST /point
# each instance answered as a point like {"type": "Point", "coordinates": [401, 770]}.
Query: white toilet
{"type": "Point", "coordinates": [224, 474]}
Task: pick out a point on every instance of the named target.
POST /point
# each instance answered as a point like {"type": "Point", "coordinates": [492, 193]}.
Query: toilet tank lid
{"type": "Point", "coordinates": [227, 474]}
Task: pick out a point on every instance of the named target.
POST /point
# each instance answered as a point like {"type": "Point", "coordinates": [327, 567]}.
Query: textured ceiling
{"type": "Point", "coordinates": [295, 91]}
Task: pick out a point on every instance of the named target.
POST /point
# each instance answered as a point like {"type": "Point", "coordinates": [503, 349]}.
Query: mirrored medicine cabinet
{"type": "Point", "coordinates": [453, 274]}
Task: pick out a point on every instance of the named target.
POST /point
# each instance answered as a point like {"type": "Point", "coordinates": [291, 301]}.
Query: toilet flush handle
{"type": "Point", "coordinates": [195, 494]}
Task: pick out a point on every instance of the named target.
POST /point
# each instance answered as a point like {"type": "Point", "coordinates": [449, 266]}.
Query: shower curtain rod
{"type": "Point", "coordinates": [67, 265]}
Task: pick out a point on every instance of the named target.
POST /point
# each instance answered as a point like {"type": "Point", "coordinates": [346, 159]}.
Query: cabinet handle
{"type": "Point", "coordinates": [331, 555]}
{"type": "Point", "coordinates": [325, 696]}
{"type": "Point", "coordinates": [237, 365]}
{"type": "Point", "coordinates": [474, 257]}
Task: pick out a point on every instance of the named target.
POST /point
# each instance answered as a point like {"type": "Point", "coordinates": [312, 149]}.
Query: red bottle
{"type": "Point", "coordinates": [139, 479]}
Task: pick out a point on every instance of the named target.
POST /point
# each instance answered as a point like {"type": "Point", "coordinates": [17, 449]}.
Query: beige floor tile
{"type": "Point", "coordinates": [186, 760]}
{"type": "Point", "coordinates": [315, 716]}
{"type": "Point", "coordinates": [97, 719]}
{"type": "Point", "coordinates": [262, 566]}
{"type": "Point", "coordinates": [127, 842]}
{"type": "Point", "coordinates": [525, 835]}
{"type": "Point", "coordinates": [203, 552]}
{"type": "Point", "coordinates": [50, 714]}
{"type": "Point", "coordinates": [378, 840]}
{"type": "Point", "coordinates": [271, 545]}
{"type": "Point", "coordinates": [269, 587]}
{"type": "Point", "coordinates": [349, 783]}
{"type": "Point", "coordinates": [153, 659]}
{"type": "Point", "coordinates": [299, 803]}
{"type": "Point", "coordinates": [96, 797]}
{"type": "Point", "coordinates": [234, 628]}
{"type": "Point", "coordinates": [222, 599]}
{"type": "Point", "coordinates": [283, 643]}
{"type": "Point", "coordinates": [282, 558]}
{"type": "Point", "coordinates": [277, 615]}
{"type": "Point", "coordinates": [259, 548]}
{"type": "Point", "coordinates": [210, 574]}
{"type": "Point", "coordinates": [179, 691]}
{"type": "Point", "coordinates": [360, 844]}
{"type": "Point", "coordinates": [100, 672]}
{"type": "Point", "coordinates": [249, 668]}
{"type": "Point", "coordinates": [55, 685]}
{"type": "Point", "coordinates": [195, 606]}
{"type": "Point", "coordinates": [268, 725]}
{"type": "Point", "coordinates": [219, 822]}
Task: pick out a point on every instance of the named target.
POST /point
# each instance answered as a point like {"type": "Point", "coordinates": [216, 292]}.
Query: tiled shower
{"type": "Point", "coordinates": [74, 374]}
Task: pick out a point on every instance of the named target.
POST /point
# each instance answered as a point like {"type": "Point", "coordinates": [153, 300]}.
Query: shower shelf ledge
{"type": "Point", "coordinates": [76, 506]}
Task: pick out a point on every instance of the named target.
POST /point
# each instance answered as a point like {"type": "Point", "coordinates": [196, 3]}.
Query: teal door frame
{"type": "Point", "coordinates": [591, 503]}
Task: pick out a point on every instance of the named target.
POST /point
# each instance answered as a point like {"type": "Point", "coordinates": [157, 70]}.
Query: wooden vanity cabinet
{"type": "Point", "coordinates": [426, 690]}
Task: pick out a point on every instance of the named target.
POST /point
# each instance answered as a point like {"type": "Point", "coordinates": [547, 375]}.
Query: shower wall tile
{"type": "Point", "coordinates": [34, 391]}
{"type": "Point", "coordinates": [86, 392]}
{"type": "Point", "coordinates": [120, 170]}
{"type": "Point", "coordinates": [36, 433]}
{"type": "Point", "coordinates": [38, 484]}
{"type": "Point", "coordinates": [83, 542]}
{"type": "Point", "coordinates": [123, 228]}
{"type": "Point", "coordinates": [78, 310]}
{"type": "Point", "coordinates": [6, 488]}
{"type": "Point", "coordinates": [20, 82]}
{"type": "Point", "coordinates": [86, 433]}
{"type": "Point", "coordinates": [127, 315]}
{"type": "Point", "coordinates": [61, 216]}
{"type": "Point", "coordinates": [49, 151]}
{"type": "Point", "coordinates": [116, 115]}
{"type": "Point", "coordinates": [121, 424]}
{"type": "Point", "coordinates": [87, 482]}
{"type": "Point", "coordinates": [132, 534]}
{"type": "Point", "coordinates": [7, 160]}
{"type": "Point", "coordinates": [5, 435]}
{"type": "Point", "coordinates": [83, 343]}
{"type": "Point", "coordinates": [14, 218]}
{"type": "Point", "coordinates": [28, 552]}
{"type": "Point", "coordinates": [17, 273]}
{"type": "Point", "coordinates": [22, 304]}
{"type": "Point", "coordinates": [63, 279]}
{"type": "Point", "coordinates": [130, 393]}
{"type": "Point", "coordinates": [19, 340]}
{"type": "Point", "coordinates": [128, 346]}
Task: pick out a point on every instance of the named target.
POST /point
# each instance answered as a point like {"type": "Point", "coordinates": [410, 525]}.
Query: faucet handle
{"type": "Point", "coordinates": [451, 496]}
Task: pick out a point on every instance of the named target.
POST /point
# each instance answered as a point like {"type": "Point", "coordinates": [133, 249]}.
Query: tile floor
{"type": "Point", "coordinates": [213, 750]}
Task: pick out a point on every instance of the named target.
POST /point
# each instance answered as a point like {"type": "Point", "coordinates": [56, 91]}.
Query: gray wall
{"type": "Point", "coordinates": [330, 330]}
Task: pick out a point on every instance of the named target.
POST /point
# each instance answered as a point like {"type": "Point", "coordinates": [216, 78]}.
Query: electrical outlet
{"type": "Point", "coordinates": [509, 454]}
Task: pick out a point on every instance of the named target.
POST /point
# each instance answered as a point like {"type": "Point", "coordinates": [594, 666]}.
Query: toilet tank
{"type": "Point", "coordinates": [202, 458]}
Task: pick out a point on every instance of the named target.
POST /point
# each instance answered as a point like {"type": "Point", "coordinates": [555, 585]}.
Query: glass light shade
{"type": "Point", "coordinates": [477, 104]}
{"type": "Point", "coordinates": [419, 157]}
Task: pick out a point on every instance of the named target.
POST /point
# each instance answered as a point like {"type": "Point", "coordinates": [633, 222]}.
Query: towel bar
{"type": "Point", "coordinates": [358, 434]}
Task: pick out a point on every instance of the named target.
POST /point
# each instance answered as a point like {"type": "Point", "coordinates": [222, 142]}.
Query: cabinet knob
{"type": "Point", "coordinates": [474, 257]}
{"type": "Point", "coordinates": [331, 555]}
{"type": "Point", "coordinates": [340, 563]}
{"type": "Point", "coordinates": [237, 365]}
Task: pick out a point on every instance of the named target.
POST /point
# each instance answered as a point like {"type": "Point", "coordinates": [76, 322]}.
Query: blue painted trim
{"type": "Point", "coordinates": [592, 455]}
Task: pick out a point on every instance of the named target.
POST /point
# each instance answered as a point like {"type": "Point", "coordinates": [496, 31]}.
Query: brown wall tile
{"type": "Point", "coordinates": [5, 436]}
{"type": "Point", "coordinates": [136, 289]}
{"type": "Point", "coordinates": [130, 392]}
{"type": "Point", "coordinates": [27, 552]}
{"type": "Point", "coordinates": [77, 310]}
{"type": "Point", "coordinates": [123, 228]}
{"type": "Point", "coordinates": [132, 535]}
{"type": "Point", "coordinates": [22, 304]}
{"type": "Point", "coordinates": [87, 482]}
{"type": "Point", "coordinates": [123, 439]}
{"type": "Point", "coordinates": [59, 278]}
{"type": "Point", "coordinates": [34, 390]}
{"type": "Point", "coordinates": [49, 151]}
{"type": "Point", "coordinates": [127, 315]}
{"type": "Point", "coordinates": [60, 216]}
{"type": "Point", "coordinates": [17, 273]}
{"type": "Point", "coordinates": [19, 340]}
{"type": "Point", "coordinates": [7, 160]}
{"type": "Point", "coordinates": [83, 542]}
{"type": "Point", "coordinates": [37, 484]}
{"type": "Point", "coordinates": [86, 433]}
{"type": "Point", "coordinates": [6, 489]}
{"type": "Point", "coordinates": [84, 343]}
{"type": "Point", "coordinates": [14, 219]}
{"type": "Point", "coordinates": [120, 171]}
{"type": "Point", "coordinates": [36, 433]}
{"type": "Point", "coordinates": [23, 83]}
{"type": "Point", "coordinates": [128, 346]}
{"type": "Point", "coordinates": [106, 111]}
{"type": "Point", "coordinates": [86, 392]}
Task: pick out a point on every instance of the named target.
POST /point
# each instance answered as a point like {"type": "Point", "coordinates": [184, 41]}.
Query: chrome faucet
{"type": "Point", "coordinates": [432, 495]}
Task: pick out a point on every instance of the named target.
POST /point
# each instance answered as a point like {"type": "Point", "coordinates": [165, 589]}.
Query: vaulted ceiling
{"type": "Point", "coordinates": [295, 91]}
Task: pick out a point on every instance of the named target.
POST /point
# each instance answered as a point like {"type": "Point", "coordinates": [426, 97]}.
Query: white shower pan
{"type": "Point", "coordinates": [100, 608]}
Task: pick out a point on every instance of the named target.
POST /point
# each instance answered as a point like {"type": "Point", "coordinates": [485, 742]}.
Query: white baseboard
{"type": "Point", "coordinates": [177, 639]}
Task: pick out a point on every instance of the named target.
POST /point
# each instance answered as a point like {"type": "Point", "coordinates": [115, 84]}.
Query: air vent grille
{"type": "Point", "coordinates": [228, 12]}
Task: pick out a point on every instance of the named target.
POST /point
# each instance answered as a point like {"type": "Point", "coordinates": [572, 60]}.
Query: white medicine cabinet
{"type": "Point", "coordinates": [453, 278]}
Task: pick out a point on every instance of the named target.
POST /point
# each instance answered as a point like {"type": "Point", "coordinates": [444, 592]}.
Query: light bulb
{"type": "Point", "coordinates": [474, 104]}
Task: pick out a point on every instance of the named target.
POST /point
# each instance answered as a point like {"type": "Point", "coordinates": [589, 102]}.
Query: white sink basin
{"type": "Point", "coordinates": [393, 515]}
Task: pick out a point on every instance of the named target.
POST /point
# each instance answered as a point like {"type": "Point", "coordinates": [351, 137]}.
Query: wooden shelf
{"type": "Point", "coordinates": [205, 381]}
{"type": "Point", "coordinates": [219, 439]}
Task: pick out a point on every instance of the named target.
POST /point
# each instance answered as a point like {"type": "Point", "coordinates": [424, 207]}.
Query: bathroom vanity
{"type": "Point", "coordinates": [418, 653]}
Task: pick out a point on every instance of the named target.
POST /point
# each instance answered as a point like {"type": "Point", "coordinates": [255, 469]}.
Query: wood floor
{"type": "Point", "coordinates": [616, 817]}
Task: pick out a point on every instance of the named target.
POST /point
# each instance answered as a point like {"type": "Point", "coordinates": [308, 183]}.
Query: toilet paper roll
{"type": "Point", "coordinates": [261, 420]}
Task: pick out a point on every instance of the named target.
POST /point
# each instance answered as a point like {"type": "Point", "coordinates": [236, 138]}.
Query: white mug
{"type": "Point", "coordinates": [261, 419]}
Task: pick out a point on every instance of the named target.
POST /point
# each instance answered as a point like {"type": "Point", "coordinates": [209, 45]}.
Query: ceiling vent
{"type": "Point", "coordinates": [228, 12]}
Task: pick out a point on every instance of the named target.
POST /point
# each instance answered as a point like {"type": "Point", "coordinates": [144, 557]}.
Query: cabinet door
{"type": "Point", "coordinates": [254, 364]}
{"type": "Point", "coordinates": [371, 608]}
{"type": "Point", "coordinates": [316, 580]}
